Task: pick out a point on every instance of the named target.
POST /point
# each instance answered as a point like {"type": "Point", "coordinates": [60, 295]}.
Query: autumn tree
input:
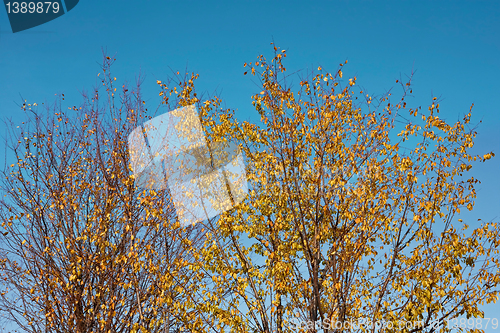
{"type": "Point", "coordinates": [83, 249]}
{"type": "Point", "coordinates": [351, 217]}
{"type": "Point", "coordinates": [351, 220]}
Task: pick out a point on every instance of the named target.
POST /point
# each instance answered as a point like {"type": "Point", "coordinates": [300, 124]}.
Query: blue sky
{"type": "Point", "coordinates": [453, 47]}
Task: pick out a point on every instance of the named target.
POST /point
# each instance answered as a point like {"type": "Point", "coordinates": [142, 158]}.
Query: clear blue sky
{"type": "Point", "coordinates": [454, 47]}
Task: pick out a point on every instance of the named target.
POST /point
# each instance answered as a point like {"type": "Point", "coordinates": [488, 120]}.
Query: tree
{"type": "Point", "coordinates": [350, 222]}
{"type": "Point", "coordinates": [84, 249]}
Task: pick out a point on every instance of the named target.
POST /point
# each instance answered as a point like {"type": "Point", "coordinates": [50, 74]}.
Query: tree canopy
{"type": "Point", "coordinates": [350, 221]}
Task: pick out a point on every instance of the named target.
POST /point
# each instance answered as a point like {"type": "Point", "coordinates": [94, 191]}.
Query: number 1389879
{"type": "Point", "coordinates": [32, 7]}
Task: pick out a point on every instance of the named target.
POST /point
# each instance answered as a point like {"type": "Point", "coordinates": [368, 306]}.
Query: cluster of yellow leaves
{"type": "Point", "coordinates": [340, 222]}
{"type": "Point", "coordinates": [344, 220]}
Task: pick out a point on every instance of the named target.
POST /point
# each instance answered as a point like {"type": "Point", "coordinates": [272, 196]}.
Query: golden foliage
{"type": "Point", "coordinates": [350, 217]}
